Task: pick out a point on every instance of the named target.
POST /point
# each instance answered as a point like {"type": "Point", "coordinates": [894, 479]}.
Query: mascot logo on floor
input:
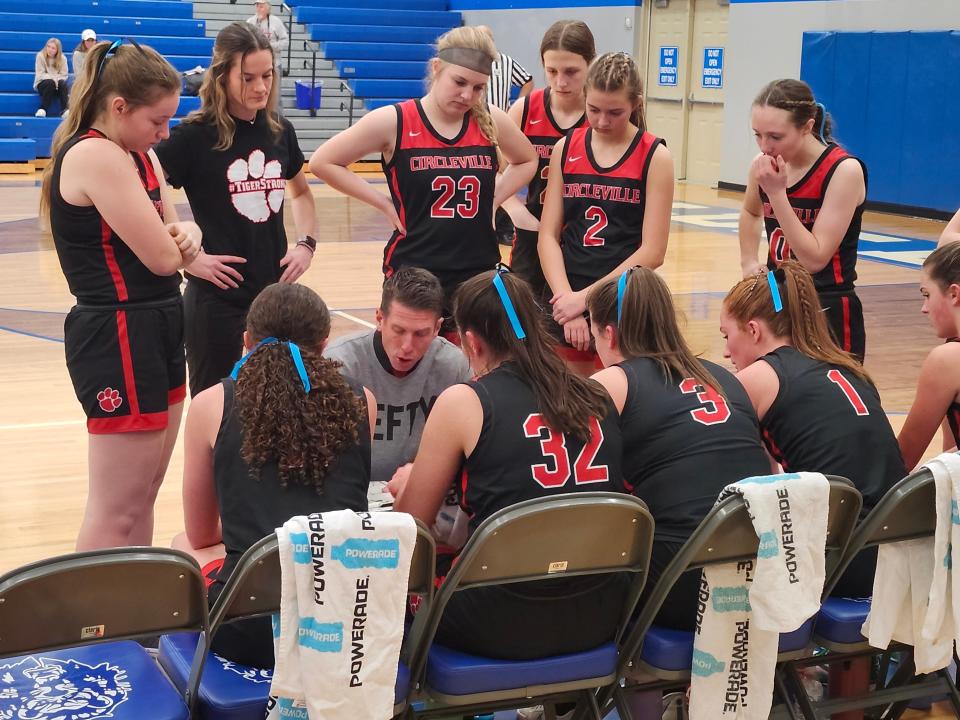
{"type": "Point", "coordinates": [43, 688]}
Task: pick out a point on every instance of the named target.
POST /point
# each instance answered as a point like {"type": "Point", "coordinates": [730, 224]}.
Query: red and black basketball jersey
{"type": "Point", "coordinates": [443, 192]}
{"type": "Point", "coordinates": [673, 430]}
{"type": "Point", "coordinates": [826, 419]}
{"type": "Point", "coordinates": [603, 208]}
{"type": "Point", "coordinates": [100, 268]}
{"type": "Point", "coordinates": [541, 129]}
{"type": "Point", "coordinates": [806, 199]}
{"type": "Point", "coordinates": [953, 412]}
{"type": "Point", "coordinates": [520, 457]}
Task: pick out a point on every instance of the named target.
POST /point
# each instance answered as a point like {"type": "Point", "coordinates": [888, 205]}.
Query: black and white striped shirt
{"type": "Point", "coordinates": [505, 72]}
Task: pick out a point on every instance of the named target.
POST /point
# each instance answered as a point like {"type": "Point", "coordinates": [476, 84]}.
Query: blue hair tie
{"type": "Point", "coordinates": [774, 292]}
{"type": "Point", "coordinates": [621, 289]}
{"type": "Point", "coordinates": [508, 306]}
{"type": "Point", "coordinates": [823, 119]}
{"type": "Point", "coordinates": [294, 355]}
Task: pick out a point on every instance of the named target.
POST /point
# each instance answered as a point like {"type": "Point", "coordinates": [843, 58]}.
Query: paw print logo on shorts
{"type": "Point", "coordinates": [109, 399]}
{"type": "Point", "coordinates": [256, 186]}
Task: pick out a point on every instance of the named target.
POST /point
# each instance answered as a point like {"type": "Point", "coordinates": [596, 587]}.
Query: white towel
{"type": "Point", "coordinates": [747, 605]}
{"type": "Point", "coordinates": [913, 594]}
{"type": "Point", "coordinates": [338, 641]}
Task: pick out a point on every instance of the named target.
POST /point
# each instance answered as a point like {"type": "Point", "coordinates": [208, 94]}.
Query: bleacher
{"type": "Point", "coordinates": [166, 25]}
{"type": "Point", "coordinates": [379, 50]}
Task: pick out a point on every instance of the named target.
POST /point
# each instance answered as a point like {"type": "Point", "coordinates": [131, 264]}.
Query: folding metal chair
{"type": "Point", "coordinates": [906, 512]}
{"type": "Point", "coordinates": [217, 689]}
{"type": "Point", "coordinates": [568, 535]}
{"type": "Point", "coordinates": [69, 621]}
{"type": "Point", "coordinates": [656, 658]}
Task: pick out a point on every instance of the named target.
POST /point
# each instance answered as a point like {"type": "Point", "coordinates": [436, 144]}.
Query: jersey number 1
{"type": "Point", "coordinates": [444, 184]}
{"type": "Point", "coordinates": [853, 396]}
{"type": "Point", "coordinates": [715, 409]}
{"type": "Point", "coordinates": [553, 445]}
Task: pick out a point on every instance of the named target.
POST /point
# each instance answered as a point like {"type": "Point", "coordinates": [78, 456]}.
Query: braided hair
{"type": "Point", "coordinates": [613, 72]}
{"type": "Point", "coordinates": [796, 97]}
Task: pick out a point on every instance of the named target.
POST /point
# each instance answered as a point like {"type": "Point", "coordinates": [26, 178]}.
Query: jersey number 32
{"type": "Point", "coordinates": [557, 470]}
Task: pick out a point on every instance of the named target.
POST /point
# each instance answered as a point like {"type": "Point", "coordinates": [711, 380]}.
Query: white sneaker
{"type": "Point", "coordinates": [40, 113]}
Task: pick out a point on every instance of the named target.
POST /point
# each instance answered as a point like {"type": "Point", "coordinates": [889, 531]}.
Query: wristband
{"type": "Point", "coordinates": [308, 242]}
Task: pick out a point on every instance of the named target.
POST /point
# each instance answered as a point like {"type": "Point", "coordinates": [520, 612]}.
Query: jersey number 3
{"type": "Point", "coordinates": [553, 445]}
{"type": "Point", "coordinates": [445, 185]}
{"type": "Point", "coordinates": [715, 409]}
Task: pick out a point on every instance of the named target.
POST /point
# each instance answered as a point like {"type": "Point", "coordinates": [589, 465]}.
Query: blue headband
{"type": "Point", "coordinates": [508, 306]}
{"type": "Point", "coordinates": [774, 292]}
{"type": "Point", "coordinates": [294, 355]}
{"type": "Point", "coordinates": [823, 119]}
{"type": "Point", "coordinates": [621, 289]}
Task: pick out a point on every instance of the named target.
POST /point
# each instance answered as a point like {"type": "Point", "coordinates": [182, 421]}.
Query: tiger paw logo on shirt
{"type": "Point", "coordinates": [256, 186]}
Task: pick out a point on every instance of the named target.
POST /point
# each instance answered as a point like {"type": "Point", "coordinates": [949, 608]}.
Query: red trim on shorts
{"type": "Point", "coordinates": [837, 269]}
{"type": "Point", "coordinates": [847, 339]}
{"type": "Point", "coordinates": [106, 233]}
{"type": "Point", "coordinates": [571, 354]}
{"type": "Point", "coordinates": [774, 450]}
{"type": "Point", "coordinates": [146, 422]}
{"type": "Point", "coordinates": [176, 395]}
{"type": "Point", "coordinates": [403, 221]}
{"type": "Point", "coordinates": [126, 359]}
{"type": "Point", "coordinates": [463, 488]}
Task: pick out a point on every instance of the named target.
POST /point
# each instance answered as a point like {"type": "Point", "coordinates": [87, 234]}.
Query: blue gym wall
{"type": "Point", "coordinates": [894, 93]}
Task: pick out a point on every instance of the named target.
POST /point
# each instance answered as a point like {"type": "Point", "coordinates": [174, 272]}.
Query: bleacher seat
{"type": "Point", "coordinates": [17, 150]}
{"type": "Point", "coordinates": [27, 104]}
{"type": "Point", "coordinates": [73, 25]}
{"type": "Point", "coordinates": [116, 8]}
{"type": "Point", "coordinates": [23, 61]}
{"type": "Point", "coordinates": [172, 45]}
{"type": "Point", "coordinates": [380, 68]}
{"type": "Point", "coordinates": [378, 16]}
{"type": "Point", "coordinates": [384, 4]}
{"type": "Point", "coordinates": [376, 33]}
{"type": "Point", "coordinates": [376, 51]}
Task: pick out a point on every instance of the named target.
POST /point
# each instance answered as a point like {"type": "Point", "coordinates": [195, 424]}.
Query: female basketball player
{"type": "Point", "coordinates": [236, 159]}
{"type": "Point", "coordinates": [491, 432]}
{"type": "Point", "coordinates": [440, 155]}
{"type": "Point", "coordinates": [546, 116]}
{"type": "Point", "coordinates": [938, 389]}
{"type": "Point", "coordinates": [819, 411]}
{"type": "Point", "coordinates": [108, 205]}
{"type": "Point", "coordinates": [810, 201]}
{"type": "Point", "coordinates": [951, 233]}
{"type": "Point", "coordinates": [286, 434]}
{"type": "Point", "coordinates": [678, 415]}
{"type": "Point", "coordinates": [608, 200]}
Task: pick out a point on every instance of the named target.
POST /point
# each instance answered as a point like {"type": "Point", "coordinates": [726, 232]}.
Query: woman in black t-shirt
{"type": "Point", "coordinates": [235, 158]}
{"type": "Point", "coordinates": [286, 434]}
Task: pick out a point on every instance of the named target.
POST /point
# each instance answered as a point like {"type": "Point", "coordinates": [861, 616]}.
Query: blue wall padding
{"type": "Point", "coordinates": [895, 99]}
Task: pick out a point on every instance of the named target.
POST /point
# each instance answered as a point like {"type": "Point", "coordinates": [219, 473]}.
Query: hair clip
{"type": "Point", "coordinates": [107, 55]}
{"type": "Point", "coordinates": [294, 355]}
{"type": "Point", "coordinates": [823, 119]}
{"type": "Point", "coordinates": [774, 291]}
{"type": "Point", "coordinates": [508, 306]}
{"type": "Point", "coordinates": [621, 289]}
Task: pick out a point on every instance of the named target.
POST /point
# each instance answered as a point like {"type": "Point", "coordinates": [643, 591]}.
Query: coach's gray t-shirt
{"type": "Point", "coordinates": [402, 402]}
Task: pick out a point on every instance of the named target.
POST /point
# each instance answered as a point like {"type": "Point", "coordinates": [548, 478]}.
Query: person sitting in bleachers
{"type": "Point", "coordinates": [50, 77]}
{"type": "Point", "coordinates": [88, 38]}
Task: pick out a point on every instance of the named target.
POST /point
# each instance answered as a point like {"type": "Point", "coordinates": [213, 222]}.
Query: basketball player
{"type": "Point", "coordinates": [236, 159]}
{"type": "Point", "coordinates": [608, 199]}
{"type": "Point", "coordinates": [440, 155]}
{"type": "Point", "coordinates": [514, 434]}
{"type": "Point", "coordinates": [809, 193]}
{"type": "Point", "coordinates": [688, 427]}
{"type": "Point", "coordinates": [545, 116]}
{"type": "Point", "coordinates": [819, 411]}
{"type": "Point", "coordinates": [107, 206]}
{"type": "Point", "coordinates": [938, 388]}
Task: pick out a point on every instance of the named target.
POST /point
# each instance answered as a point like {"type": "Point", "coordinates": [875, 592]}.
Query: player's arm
{"type": "Point", "coordinates": [762, 385]}
{"type": "Point", "coordinates": [951, 233]}
{"type": "Point", "coordinates": [371, 410]}
{"type": "Point", "coordinates": [449, 435]}
{"type": "Point", "coordinates": [750, 227]}
{"type": "Point", "coordinates": [374, 133]}
{"type": "Point", "coordinates": [935, 392]}
{"type": "Point", "coordinates": [815, 248]}
{"type": "Point", "coordinates": [515, 208]}
{"type": "Point", "coordinates": [949, 444]}
{"type": "Point", "coordinates": [516, 150]}
{"type": "Point", "coordinates": [201, 513]}
{"type": "Point", "coordinates": [186, 234]}
{"type": "Point", "coordinates": [551, 224]}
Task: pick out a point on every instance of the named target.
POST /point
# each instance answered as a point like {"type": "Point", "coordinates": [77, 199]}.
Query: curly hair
{"type": "Point", "coordinates": [303, 433]}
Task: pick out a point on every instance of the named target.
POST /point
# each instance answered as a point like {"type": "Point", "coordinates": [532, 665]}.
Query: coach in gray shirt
{"type": "Point", "coordinates": [405, 365]}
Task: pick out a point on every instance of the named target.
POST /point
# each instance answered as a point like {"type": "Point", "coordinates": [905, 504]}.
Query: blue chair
{"type": "Point", "coordinates": [569, 535]}
{"type": "Point", "coordinates": [66, 626]}
{"type": "Point", "coordinates": [906, 512]}
{"type": "Point", "coordinates": [656, 658]}
{"type": "Point", "coordinates": [217, 689]}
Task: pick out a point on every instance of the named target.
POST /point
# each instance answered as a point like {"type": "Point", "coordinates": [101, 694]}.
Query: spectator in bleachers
{"type": "Point", "coordinates": [88, 38]}
{"type": "Point", "coordinates": [286, 434]}
{"type": "Point", "coordinates": [272, 29]}
{"type": "Point", "coordinates": [50, 77]}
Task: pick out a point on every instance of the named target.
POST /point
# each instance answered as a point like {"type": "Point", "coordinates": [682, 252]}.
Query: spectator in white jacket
{"type": "Point", "coordinates": [272, 29]}
{"type": "Point", "coordinates": [88, 38]}
{"type": "Point", "coordinates": [50, 77]}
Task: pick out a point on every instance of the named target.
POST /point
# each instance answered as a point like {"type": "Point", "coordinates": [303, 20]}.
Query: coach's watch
{"type": "Point", "coordinates": [308, 242]}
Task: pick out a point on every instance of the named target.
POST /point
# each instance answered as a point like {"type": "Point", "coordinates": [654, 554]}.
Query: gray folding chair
{"type": "Point", "coordinates": [906, 512]}
{"type": "Point", "coordinates": [656, 659]}
{"type": "Point", "coordinates": [560, 536]}
{"type": "Point", "coordinates": [219, 689]}
{"type": "Point", "coordinates": [70, 620]}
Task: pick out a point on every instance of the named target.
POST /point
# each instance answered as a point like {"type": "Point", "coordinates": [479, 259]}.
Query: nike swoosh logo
{"type": "Point", "coordinates": [574, 159]}
{"type": "Point", "coordinates": [413, 134]}
{"type": "Point", "coordinates": [534, 122]}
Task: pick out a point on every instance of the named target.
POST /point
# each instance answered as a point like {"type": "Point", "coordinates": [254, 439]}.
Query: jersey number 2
{"type": "Point", "coordinates": [592, 237]}
{"type": "Point", "coordinates": [445, 185]}
{"type": "Point", "coordinates": [553, 445]}
{"type": "Point", "coordinates": [853, 396]}
{"type": "Point", "coordinates": [715, 409]}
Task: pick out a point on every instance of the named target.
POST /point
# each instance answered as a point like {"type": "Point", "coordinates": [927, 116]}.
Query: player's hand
{"type": "Point", "coordinates": [398, 482]}
{"type": "Point", "coordinates": [568, 305]}
{"type": "Point", "coordinates": [770, 173]}
{"type": "Point", "coordinates": [390, 211]}
{"type": "Point", "coordinates": [752, 267]}
{"type": "Point", "coordinates": [577, 333]}
{"type": "Point", "coordinates": [295, 262]}
{"type": "Point", "coordinates": [213, 269]}
{"type": "Point", "coordinates": [188, 237]}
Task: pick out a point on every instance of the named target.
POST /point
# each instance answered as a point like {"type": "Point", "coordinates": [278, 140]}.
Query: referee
{"type": "Point", "coordinates": [506, 73]}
